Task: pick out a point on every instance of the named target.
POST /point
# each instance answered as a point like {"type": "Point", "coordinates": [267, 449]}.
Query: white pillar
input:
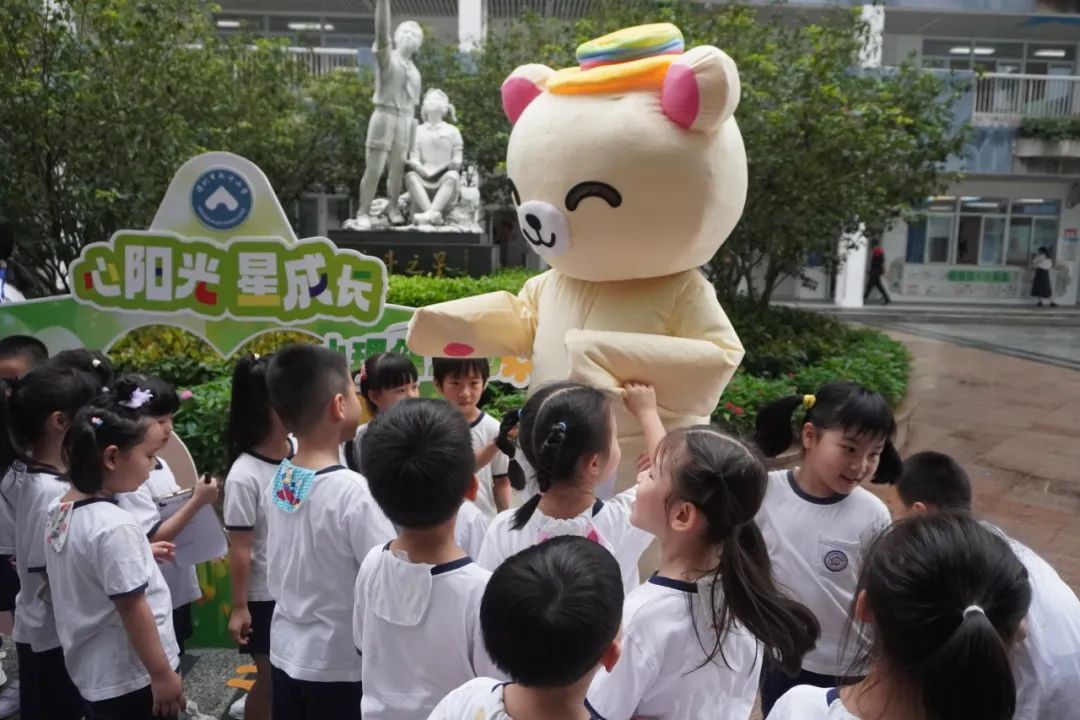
{"type": "Point", "coordinates": [874, 17]}
{"type": "Point", "coordinates": [850, 276]}
{"type": "Point", "coordinates": [472, 24]}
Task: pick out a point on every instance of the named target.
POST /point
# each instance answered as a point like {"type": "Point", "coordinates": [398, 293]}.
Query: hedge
{"type": "Point", "coordinates": [788, 351]}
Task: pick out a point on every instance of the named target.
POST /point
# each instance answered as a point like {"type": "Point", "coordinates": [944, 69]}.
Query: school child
{"type": "Point", "coordinates": [257, 442]}
{"type": "Point", "coordinates": [816, 519]}
{"type": "Point", "coordinates": [462, 383]}
{"type": "Point", "coordinates": [19, 354]}
{"type": "Point", "coordinates": [1046, 663]}
{"type": "Point", "coordinates": [567, 432]}
{"type": "Point", "coordinates": [550, 618]}
{"type": "Point", "coordinates": [35, 413]}
{"type": "Point", "coordinates": [944, 600]}
{"type": "Point", "coordinates": [695, 633]}
{"type": "Point", "coordinates": [112, 606]}
{"type": "Point", "coordinates": [384, 378]}
{"type": "Point", "coordinates": [322, 524]}
{"type": "Point", "coordinates": [416, 621]}
{"type": "Point", "coordinates": [156, 399]}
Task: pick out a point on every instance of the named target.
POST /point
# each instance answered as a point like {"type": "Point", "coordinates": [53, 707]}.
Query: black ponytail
{"type": "Point", "coordinates": [842, 405]}
{"type": "Point", "coordinates": [946, 596]}
{"type": "Point", "coordinates": [27, 403]}
{"type": "Point", "coordinates": [94, 362]}
{"type": "Point", "coordinates": [249, 405]}
{"type": "Point", "coordinates": [726, 481]}
{"type": "Point", "coordinates": [505, 445]}
{"type": "Point", "coordinates": [95, 428]}
{"type": "Point", "coordinates": [559, 425]}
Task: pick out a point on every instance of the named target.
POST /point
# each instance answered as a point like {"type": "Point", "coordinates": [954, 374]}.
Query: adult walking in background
{"type": "Point", "coordinates": [1041, 287]}
{"type": "Point", "coordinates": [877, 269]}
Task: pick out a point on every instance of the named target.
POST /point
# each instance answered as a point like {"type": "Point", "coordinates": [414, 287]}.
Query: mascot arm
{"type": "Point", "coordinates": [491, 325]}
{"type": "Point", "coordinates": [688, 368]}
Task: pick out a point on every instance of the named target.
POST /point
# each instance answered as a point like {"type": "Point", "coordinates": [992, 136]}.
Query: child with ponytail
{"type": "Point", "coordinates": [817, 520]}
{"type": "Point", "coordinates": [35, 413]}
{"type": "Point", "coordinates": [155, 399]}
{"type": "Point", "coordinates": [694, 635]}
{"type": "Point", "coordinates": [113, 613]}
{"type": "Point", "coordinates": [944, 598]}
{"type": "Point", "coordinates": [567, 432]}
{"type": "Point", "coordinates": [384, 378]}
{"type": "Point", "coordinates": [257, 442]}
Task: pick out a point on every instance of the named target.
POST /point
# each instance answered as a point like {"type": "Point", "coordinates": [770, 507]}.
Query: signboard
{"type": "Point", "coordinates": [220, 260]}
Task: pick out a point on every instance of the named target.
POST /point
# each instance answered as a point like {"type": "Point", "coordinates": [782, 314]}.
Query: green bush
{"type": "Point", "coordinates": [738, 408]}
{"type": "Point", "coordinates": [1050, 128]}
{"type": "Point", "coordinates": [202, 421]}
{"type": "Point", "coordinates": [422, 290]}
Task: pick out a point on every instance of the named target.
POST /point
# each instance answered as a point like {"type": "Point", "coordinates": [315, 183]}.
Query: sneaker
{"type": "Point", "coordinates": [236, 710]}
{"type": "Point", "coordinates": [9, 699]}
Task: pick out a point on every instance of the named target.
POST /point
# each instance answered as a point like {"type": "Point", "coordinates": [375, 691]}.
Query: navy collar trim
{"type": "Point", "coordinates": [832, 696]}
{"type": "Point", "coordinates": [478, 419]}
{"type": "Point", "coordinates": [811, 498]}
{"type": "Point", "coordinates": [593, 715]}
{"type": "Point", "coordinates": [43, 470]}
{"type": "Point", "coordinates": [443, 567]}
{"type": "Point", "coordinates": [680, 585]}
{"type": "Point", "coordinates": [597, 507]}
{"type": "Point", "coordinates": [91, 501]}
{"type": "Point", "coordinates": [268, 461]}
{"type": "Point", "coordinates": [332, 468]}
{"type": "Point", "coordinates": [158, 465]}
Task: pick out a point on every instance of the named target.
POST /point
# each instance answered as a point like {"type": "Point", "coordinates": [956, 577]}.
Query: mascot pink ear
{"type": "Point", "coordinates": [701, 89]}
{"type": "Point", "coordinates": [522, 87]}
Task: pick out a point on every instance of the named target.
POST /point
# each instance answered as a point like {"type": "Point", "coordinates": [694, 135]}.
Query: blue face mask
{"type": "Point", "coordinates": [292, 485]}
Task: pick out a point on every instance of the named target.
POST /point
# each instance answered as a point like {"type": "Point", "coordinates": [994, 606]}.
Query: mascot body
{"type": "Point", "coordinates": [629, 173]}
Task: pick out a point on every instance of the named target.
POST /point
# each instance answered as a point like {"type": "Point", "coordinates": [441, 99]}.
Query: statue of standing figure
{"type": "Point", "coordinates": [435, 162]}
{"type": "Point", "coordinates": [397, 93]}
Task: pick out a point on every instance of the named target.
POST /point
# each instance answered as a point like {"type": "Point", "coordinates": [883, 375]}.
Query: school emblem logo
{"type": "Point", "coordinates": [221, 199]}
{"type": "Point", "coordinates": [836, 561]}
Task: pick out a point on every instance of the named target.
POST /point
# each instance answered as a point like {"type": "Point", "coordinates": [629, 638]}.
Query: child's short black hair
{"type": "Point", "coordinates": [94, 362]}
{"type": "Point", "coordinates": [443, 368]}
{"type": "Point", "coordinates": [24, 346]}
{"type": "Point", "coordinates": [302, 380]}
{"type": "Point", "coordinates": [936, 479]}
{"type": "Point", "coordinates": [164, 400]}
{"type": "Point", "coordinates": [418, 460]}
{"type": "Point", "coordinates": [384, 371]}
{"type": "Point", "coordinates": [549, 612]}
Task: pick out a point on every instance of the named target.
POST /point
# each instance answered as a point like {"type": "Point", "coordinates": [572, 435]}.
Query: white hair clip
{"type": "Point", "coordinates": [256, 355]}
{"type": "Point", "coordinates": [95, 363]}
{"type": "Point", "coordinates": [139, 397]}
{"type": "Point", "coordinates": [96, 421]}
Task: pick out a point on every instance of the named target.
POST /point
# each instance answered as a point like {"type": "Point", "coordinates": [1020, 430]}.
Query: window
{"type": "Point", "coordinates": [999, 57]}
{"type": "Point", "coordinates": [982, 231]}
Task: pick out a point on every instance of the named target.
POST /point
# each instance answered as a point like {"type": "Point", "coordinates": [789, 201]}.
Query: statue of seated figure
{"type": "Point", "coordinates": [435, 161]}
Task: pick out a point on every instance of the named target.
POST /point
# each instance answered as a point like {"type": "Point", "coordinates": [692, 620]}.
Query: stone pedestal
{"type": "Point", "coordinates": [412, 252]}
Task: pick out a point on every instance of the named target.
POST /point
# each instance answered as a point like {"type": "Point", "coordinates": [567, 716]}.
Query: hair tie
{"type": "Point", "coordinates": [808, 401]}
{"type": "Point", "coordinates": [95, 363]}
{"type": "Point", "coordinates": [139, 397]}
{"type": "Point", "coordinates": [560, 426]}
{"type": "Point", "coordinates": [256, 356]}
{"type": "Point", "coordinates": [974, 609]}
{"type": "Point", "coordinates": [96, 421]}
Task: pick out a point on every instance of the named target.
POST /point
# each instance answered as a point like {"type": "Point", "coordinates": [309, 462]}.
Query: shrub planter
{"type": "Point", "coordinates": [790, 457]}
{"type": "Point", "coordinates": [1039, 148]}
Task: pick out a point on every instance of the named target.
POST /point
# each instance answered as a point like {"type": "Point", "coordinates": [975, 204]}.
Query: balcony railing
{"type": "Point", "coordinates": [325, 60]}
{"type": "Point", "coordinates": [1005, 99]}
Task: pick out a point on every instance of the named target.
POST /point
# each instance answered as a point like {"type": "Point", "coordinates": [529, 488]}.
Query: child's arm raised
{"type": "Point", "coordinates": [142, 632]}
{"type": "Point", "coordinates": [640, 400]}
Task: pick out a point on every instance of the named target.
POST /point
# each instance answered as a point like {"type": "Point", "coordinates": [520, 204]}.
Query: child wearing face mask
{"type": "Point", "coordinates": [817, 520]}
{"type": "Point", "coordinates": [567, 432]}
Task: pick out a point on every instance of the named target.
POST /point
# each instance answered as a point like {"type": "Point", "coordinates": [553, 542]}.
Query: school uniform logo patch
{"type": "Point", "coordinates": [291, 486]}
{"type": "Point", "coordinates": [836, 561]}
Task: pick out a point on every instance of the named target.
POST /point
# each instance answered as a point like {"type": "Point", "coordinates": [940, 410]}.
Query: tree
{"type": "Point", "coordinates": [831, 149]}
{"type": "Point", "coordinates": [102, 100]}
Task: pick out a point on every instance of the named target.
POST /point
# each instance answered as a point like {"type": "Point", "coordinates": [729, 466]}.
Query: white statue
{"type": "Point", "coordinates": [434, 164]}
{"type": "Point", "coordinates": [397, 92]}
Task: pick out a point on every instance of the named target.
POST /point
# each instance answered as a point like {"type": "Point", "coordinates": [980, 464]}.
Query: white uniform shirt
{"type": "Point", "coordinates": [485, 429]}
{"type": "Point", "coordinates": [246, 508]}
{"type": "Point", "coordinates": [182, 580]}
{"type": "Point", "coordinates": [481, 699]}
{"type": "Point", "coordinates": [661, 673]}
{"type": "Point", "coordinates": [314, 556]}
{"type": "Point", "coordinates": [816, 547]}
{"type": "Point", "coordinates": [418, 628]}
{"type": "Point", "coordinates": [611, 520]}
{"type": "Point", "coordinates": [25, 495]}
{"type": "Point", "coordinates": [806, 702]}
{"type": "Point", "coordinates": [105, 557]}
{"type": "Point", "coordinates": [358, 439]}
{"type": "Point", "coordinates": [470, 528]}
{"type": "Point", "coordinates": [1046, 665]}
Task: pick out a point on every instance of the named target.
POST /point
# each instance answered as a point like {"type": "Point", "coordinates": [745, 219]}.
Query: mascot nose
{"type": "Point", "coordinates": [545, 227]}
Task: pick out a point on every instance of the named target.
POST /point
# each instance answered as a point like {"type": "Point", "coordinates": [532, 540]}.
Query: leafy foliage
{"type": "Point", "coordinates": [1050, 128]}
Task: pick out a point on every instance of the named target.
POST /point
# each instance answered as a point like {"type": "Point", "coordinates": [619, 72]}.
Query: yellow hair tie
{"type": "Point", "coordinates": [808, 401]}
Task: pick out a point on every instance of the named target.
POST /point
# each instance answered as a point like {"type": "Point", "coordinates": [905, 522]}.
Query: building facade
{"type": "Point", "coordinates": [972, 244]}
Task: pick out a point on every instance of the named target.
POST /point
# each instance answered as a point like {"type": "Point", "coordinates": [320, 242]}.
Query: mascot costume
{"type": "Point", "coordinates": [628, 174]}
